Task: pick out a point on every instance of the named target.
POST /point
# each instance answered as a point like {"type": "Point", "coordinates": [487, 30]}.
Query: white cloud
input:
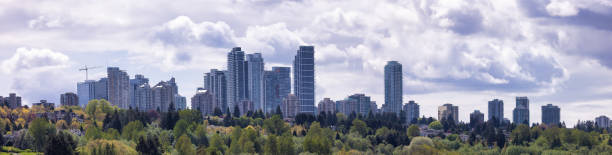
{"type": "Point", "coordinates": [561, 8]}
{"type": "Point", "coordinates": [33, 59]}
{"type": "Point", "coordinates": [182, 30]}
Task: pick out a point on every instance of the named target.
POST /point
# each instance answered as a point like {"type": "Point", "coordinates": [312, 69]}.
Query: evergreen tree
{"type": "Point", "coordinates": [236, 111]}
{"type": "Point", "coordinates": [60, 144]}
{"type": "Point", "coordinates": [217, 112]}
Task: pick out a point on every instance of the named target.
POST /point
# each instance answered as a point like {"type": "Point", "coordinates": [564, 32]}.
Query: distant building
{"type": "Point", "coordinates": [118, 87]}
{"type": "Point", "coordinates": [357, 103]}
{"type": "Point", "coordinates": [44, 104]}
{"type": "Point", "coordinates": [215, 83]}
{"type": "Point", "coordinates": [327, 106]}
{"type": "Point", "coordinates": [277, 85]}
{"type": "Point", "coordinates": [412, 111]}
{"type": "Point", "coordinates": [180, 102]}
{"type": "Point", "coordinates": [69, 99]}
{"type": "Point", "coordinates": [476, 117]}
{"type": "Point", "coordinates": [204, 101]}
{"type": "Point", "coordinates": [135, 83]}
{"type": "Point", "coordinates": [447, 111]}
{"type": "Point", "coordinates": [290, 108]}
{"type": "Point", "coordinates": [496, 110]}
{"type": "Point", "coordinates": [255, 84]}
{"type": "Point", "coordinates": [521, 112]}
{"type": "Point", "coordinates": [304, 79]}
{"type": "Point", "coordinates": [91, 89]}
{"type": "Point", "coordinates": [236, 78]}
{"type": "Point", "coordinates": [13, 101]}
{"type": "Point", "coordinates": [163, 95]}
{"type": "Point", "coordinates": [374, 107]}
{"type": "Point", "coordinates": [143, 97]}
{"type": "Point", "coordinates": [393, 87]}
{"type": "Point", "coordinates": [245, 106]}
{"type": "Point", "coordinates": [602, 121]}
{"type": "Point", "coordinates": [551, 115]}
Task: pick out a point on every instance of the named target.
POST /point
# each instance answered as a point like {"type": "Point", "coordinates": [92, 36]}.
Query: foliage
{"type": "Point", "coordinates": [184, 146]}
{"type": "Point", "coordinates": [132, 130]}
{"type": "Point", "coordinates": [436, 125]}
{"type": "Point", "coordinates": [148, 145]}
{"type": "Point", "coordinates": [318, 139]}
{"type": "Point", "coordinates": [413, 131]}
{"type": "Point", "coordinates": [102, 146]}
{"type": "Point", "coordinates": [40, 129]}
{"type": "Point", "coordinates": [60, 144]}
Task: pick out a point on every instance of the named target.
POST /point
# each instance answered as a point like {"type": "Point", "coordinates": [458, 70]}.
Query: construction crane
{"type": "Point", "coordinates": [86, 69]}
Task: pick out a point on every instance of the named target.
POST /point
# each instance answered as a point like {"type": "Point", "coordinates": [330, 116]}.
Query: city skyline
{"type": "Point", "coordinates": [460, 53]}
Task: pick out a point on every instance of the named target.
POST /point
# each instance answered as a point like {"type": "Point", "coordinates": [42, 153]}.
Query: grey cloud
{"type": "Point", "coordinates": [466, 21]}
{"type": "Point", "coordinates": [183, 31]}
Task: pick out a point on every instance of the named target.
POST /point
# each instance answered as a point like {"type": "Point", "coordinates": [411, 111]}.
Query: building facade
{"type": "Point", "coordinates": [13, 101]}
{"type": "Point", "coordinates": [255, 70]}
{"type": "Point", "coordinates": [602, 121]}
{"type": "Point", "coordinates": [118, 87]}
{"type": "Point", "coordinates": [496, 110]}
{"type": "Point", "coordinates": [304, 79]}
{"type": "Point", "coordinates": [448, 111]}
{"type": "Point", "coordinates": [393, 87]}
{"type": "Point", "coordinates": [69, 99]}
{"type": "Point", "coordinates": [551, 115]}
{"type": "Point", "coordinates": [327, 106]}
{"type": "Point", "coordinates": [412, 112]}
{"type": "Point", "coordinates": [135, 83]}
{"type": "Point", "coordinates": [203, 101]}
{"type": "Point", "coordinates": [215, 83]}
{"type": "Point", "coordinates": [143, 97]}
{"type": "Point", "coordinates": [521, 112]}
{"type": "Point", "coordinates": [162, 95]}
{"type": "Point", "coordinates": [277, 85]}
{"type": "Point", "coordinates": [290, 106]}
{"type": "Point", "coordinates": [476, 117]}
{"type": "Point", "coordinates": [236, 78]}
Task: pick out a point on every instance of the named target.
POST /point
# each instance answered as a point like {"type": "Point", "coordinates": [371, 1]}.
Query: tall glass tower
{"type": "Point", "coordinates": [393, 87]}
{"type": "Point", "coordinates": [236, 78]}
{"type": "Point", "coordinates": [521, 112]}
{"type": "Point", "coordinates": [255, 65]}
{"type": "Point", "coordinates": [304, 79]}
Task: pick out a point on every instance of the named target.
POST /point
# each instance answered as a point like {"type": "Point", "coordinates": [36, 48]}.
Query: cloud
{"type": "Point", "coordinates": [39, 74]}
{"type": "Point", "coordinates": [182, 30]}
{"type": "Point", "coordinates": [45, 22]}
{"type": "Point", "coordinates": [561, 8]}
{"type": "Point", "coordinates": [276, 42]}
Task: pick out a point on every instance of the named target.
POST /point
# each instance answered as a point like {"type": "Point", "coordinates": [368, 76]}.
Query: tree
{"type": "Point", "coordinates": [271, 146]}
{"type": "Point", "coordinates": [236, 111]}
{"type": "Point", "coordinates": [359, 127]}
{"type": "Point", "coordinates": [191, 115]}
{"type": "Point", "coordinates": [217, 112]}
{"type": "Point", "coordinates": [131, 130]}
{"type": "Point", "coordinates": [200, 136]}
{"type": "Point", "coordinates": [520, 135]}
{"type": "Point", "coordinates": [148, 145]}
{"type": "Point", "coordinates": [286, 145]}
{"type": "Point", "coordinates": [40, 129]}
{"type": "Point", "coordinates": [60, 144]}
{"type": "Point", "coordinates": [317, 140]}
{"type": "Point", "coordinates": [413, 131]}
{"type": "Point", "coordinates": [436, 125]}
{"type": "Point", "coordinates": [184, 146]}
{"type": "Point", "coordinates": [180, 128]}
{"type": "Point", "coordinates": [217, 145]}
{"type": "Point", "coordinates": [279, 112]}
{"type": "Point", "coordinates": [275, 125]}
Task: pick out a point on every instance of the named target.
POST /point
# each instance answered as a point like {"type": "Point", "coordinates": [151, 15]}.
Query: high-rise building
{"type": "Point", "coordinates": [496, 110]}
{"type": "Point", "coordinates": [290, 106]}
{"type": "Point", "coordinates": [412, 111]}
{"type": "Point", "coordinates": [255, 70]}
{"type": "Point", "coordinates": [602, 121]}
{"type": "Point", "coordinates": [236, 78]}
{"type": "Point", "coordinates": [86, 91]}
{"type": "Point", "coordinates": [143, 97]}
{"type": "Point", "coordinates": [521, 112]}
{"type": "Point", "coordinates": [476, 117]}
{"type": "Point", "coordinates": [359, 104]}
{"type": "Point", "coordinates": [180, 102]}
{"type": "Point", "coordinates": [327, 106]}
{"type": "Point", "coordinates": [135, 83]}
{"type": "Point", "coordinates": [118, 87]}
{"type": "Point", "coordinates": [45, 104]}
{"type": "Point", "coordinates": [215, 83]}
{"type": "Point", "coordinates": [374, 107]}
{"type": "Point", "coordinates": [448, 111]}
{"type": "Point", "coordinates": [163, 95]}
{"type": "Point", "coordinates": [204, 101]}
{"type": "Point", "coordinates": [393, 87]}
{"type": "Point", "coordinates": [101, 89]}
{"type": "Point", "coordinates": [277, 85]}
{"type": "Point", "coordinates": [304, 79]}
{"type": "Point", "coordinates": [69, 99]}
{"type": "Point", "coordinates": [551, 114]}
{"type": "Point", "coordinates": [245, 106]}
{"type": "Point", "coordinates": [13, 101]}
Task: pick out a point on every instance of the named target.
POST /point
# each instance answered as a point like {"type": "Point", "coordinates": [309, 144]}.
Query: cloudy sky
{"type": "Point", "coordinates": [460, 52]}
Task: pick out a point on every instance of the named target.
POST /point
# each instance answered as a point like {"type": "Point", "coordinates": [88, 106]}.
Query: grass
{"type": "Point", "coordinates": [7, 150]}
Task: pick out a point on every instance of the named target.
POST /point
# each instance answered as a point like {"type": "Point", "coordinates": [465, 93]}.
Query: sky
{"type": "Point", "coordinates": [463, 52]}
